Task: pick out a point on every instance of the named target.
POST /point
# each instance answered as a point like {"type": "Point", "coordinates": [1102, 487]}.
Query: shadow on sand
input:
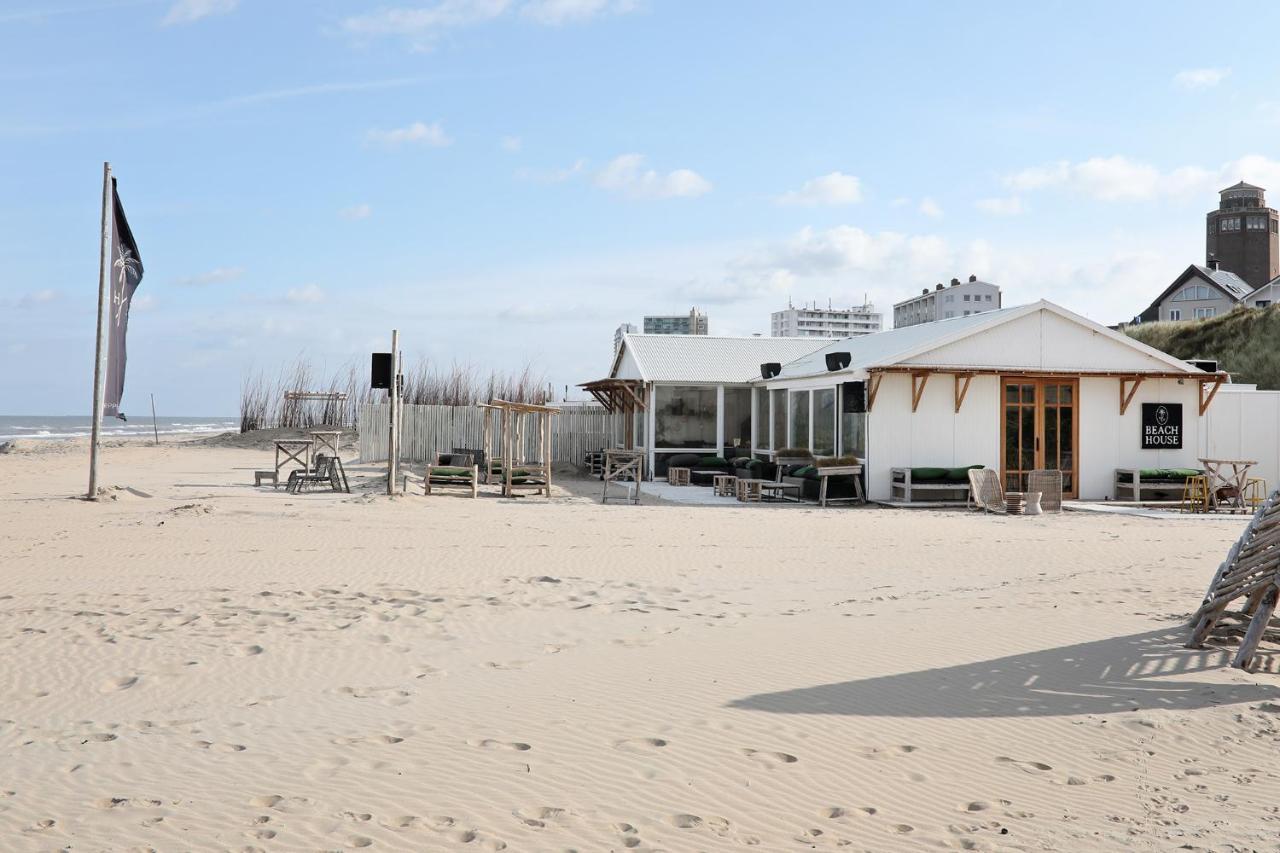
{"type": "Point", "coordinates": [1135, 672]}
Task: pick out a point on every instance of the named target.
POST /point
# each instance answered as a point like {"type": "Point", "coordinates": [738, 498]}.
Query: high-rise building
{"type": "Point", "coordinates": [814, 322]}
{"type": "Point", "coordinates": [624, 329]}
{"type": "Point", "coordinates": [1243, 235]}
{"type": "Point", "coordinates": [961, 299]}
{"type": "Point", "coordinates": [693, 323]}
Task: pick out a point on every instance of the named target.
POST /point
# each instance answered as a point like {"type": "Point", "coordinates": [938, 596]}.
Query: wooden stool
{"type": "Point", "coordinates": [678, 476]}
{"type": "Point", "coordinates": [272, 475]}
{"type": "Point", "coordinates": [1195, 494]}
{"type": "Point", "coordinates": [725, 485]}
{"type": "Point", "coordinates": [1255, 492]}
{"type": "Point", "coordinates": [750, 490]}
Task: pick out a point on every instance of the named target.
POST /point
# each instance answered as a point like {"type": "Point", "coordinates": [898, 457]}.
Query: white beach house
{"type": "Point", "coordinates": [1034, 386]}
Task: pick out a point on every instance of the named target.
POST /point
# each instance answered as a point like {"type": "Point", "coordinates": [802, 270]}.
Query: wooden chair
{"type": "Point", "coordinates": [323, 472]}
{"type": "Point", "coordinates": [452, 470]}
{"type": "Point", "coordinates": [1048, 483]}
{"type": "Point", "coordinates": [985, 490]}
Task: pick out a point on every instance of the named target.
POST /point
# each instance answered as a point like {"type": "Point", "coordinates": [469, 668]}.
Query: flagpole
{"type": "Point", "coordinates": [99, 375]}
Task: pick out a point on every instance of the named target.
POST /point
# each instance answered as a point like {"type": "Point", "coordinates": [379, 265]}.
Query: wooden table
{"type": "Point", "coordinates": [725, 485]}
{"type": "Point", "coordinates": [750, 489]}
{"type": "Point", "coordinates": [621, 466]}
{"type": "Point", "coordinates": [826, 473]}
{"type": "Point", "coordinates": [1220, 478]}
{"type": "Point", "coordinates": [779, 491]}
{"type": "Point", "coordinates": [293, 450]}
{"type": "Point", "coordinates": [326, 439]}
{"type": "Point", "coordinates": [678, 476]}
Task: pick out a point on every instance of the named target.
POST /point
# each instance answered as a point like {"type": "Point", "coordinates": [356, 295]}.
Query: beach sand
{"type": "Point", "coordinates": [195, 664]}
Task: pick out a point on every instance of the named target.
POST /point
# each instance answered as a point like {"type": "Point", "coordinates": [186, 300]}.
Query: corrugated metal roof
{"type": "Point", "coordinates": [705, 359]}
{"type": "Point", "coordinates": [880, 348]}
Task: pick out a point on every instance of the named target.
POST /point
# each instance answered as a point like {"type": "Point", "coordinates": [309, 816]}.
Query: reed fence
{"type": "Point", "coordinates": [428, 430]}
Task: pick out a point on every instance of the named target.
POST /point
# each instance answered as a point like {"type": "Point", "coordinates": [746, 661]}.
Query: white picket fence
{"type": "Point", "coordinates": [428, 430]}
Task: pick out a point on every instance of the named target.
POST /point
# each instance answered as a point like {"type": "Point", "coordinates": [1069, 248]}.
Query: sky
{"type": "Point", "coordinates": [506, 181]}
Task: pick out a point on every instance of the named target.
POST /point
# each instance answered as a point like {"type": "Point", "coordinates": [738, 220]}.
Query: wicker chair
{"type": "Point", "coordinates": [1049, 484]}
{"type": "Point", "coordinates": [985, 491]}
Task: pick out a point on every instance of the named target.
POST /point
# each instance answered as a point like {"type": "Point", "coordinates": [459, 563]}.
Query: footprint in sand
{"type": "Point", "coordinates": [248, 651]}
{"type": "Point", "coordinates": [1032, 767]}
{"type": "Point", "coordinates": [114, 684]}
{"type": "Point", "coordinates": [538, 817]}
{"type": "Point", "coordinates": [772, 759]}
{"type": "Point", "coordinates": [488, 743]}
{"type": "Point", "coordinates": [640, 744]}
{"type": "Point", "coordinates": [837, 812]}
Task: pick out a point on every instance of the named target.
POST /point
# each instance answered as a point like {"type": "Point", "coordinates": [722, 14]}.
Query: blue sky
{"type": "Point", "coordinates": [506, 181]}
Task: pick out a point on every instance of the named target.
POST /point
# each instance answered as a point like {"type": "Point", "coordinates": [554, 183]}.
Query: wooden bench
{"type": "Point", "coordinates": [1135, 485]}
{"type": "Point", "coordinates": [902, 488]}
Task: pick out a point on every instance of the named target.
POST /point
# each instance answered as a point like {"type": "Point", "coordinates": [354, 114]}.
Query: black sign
{"type": "Point", "coordinates": [1161, 426]}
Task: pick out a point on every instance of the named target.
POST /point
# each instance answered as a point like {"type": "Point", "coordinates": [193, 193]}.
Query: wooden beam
{"type": "Point", "coordinates": [918, 381]}
{"type": "Point", "coordinates": [873, 388]}
{"type": "Point", "coordinates": [634, 396]}
{"type": "Point", "coordinates": [1205, 401]}
{"type": "Point", "coordinates": [961, 388]}
{"type": "Point", "coordinates": [1126, 399]}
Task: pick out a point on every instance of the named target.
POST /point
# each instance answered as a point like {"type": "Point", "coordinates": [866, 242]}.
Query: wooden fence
{"type": "Point", "coordinates": [428, 430]}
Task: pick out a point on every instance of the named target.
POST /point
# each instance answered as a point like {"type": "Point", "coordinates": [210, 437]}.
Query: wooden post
{"type": "Point", "coordinates": [100, 375]}
{"type": "Point", "coordinates": [155, 429]}
{"type": "Point", "coordinates": [1244, 657]}
{"type": "Point", "coordinates": [392, 423]}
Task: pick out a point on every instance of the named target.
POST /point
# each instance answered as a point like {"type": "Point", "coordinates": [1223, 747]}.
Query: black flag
{"type": "Point", "coordinates": [126, 275]}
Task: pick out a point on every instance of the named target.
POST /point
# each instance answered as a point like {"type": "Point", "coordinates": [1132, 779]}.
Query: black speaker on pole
{"type": "Point", "coordinates": [770, 369]}
{"type": "Point", "coordinates": [837, 360]}
{"type": "Point", "coordinates": [853, 397]}
{"type": "Point", "coordinates": [380, 372]}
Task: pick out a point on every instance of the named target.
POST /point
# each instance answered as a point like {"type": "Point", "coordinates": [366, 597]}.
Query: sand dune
{"type": "Point", "coordinates": [195, 664]}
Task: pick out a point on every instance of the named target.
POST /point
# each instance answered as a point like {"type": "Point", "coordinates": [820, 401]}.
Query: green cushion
{"type": "Point", "coordinates": [748, 463]}
{"type": "Point", "coordinates": [921, 474]}
{"type": "Point", "coordinates": [445, 471]}
{"type": "Point", "coordinates": [712, 462]}
{"type": "Point", "coordinates": [961, 475]}
{"type": "Point", "coordinates": [1168, 473]}
{"type": "Point", "coordinates": [804, 471]}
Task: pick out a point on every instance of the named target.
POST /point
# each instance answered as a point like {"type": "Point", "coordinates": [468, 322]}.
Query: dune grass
{"type": "Point", "coordinates": [1244, 342]}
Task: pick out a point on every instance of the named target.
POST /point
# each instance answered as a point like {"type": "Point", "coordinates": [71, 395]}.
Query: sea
{"type": "Point", "coordinates": [62, 427]}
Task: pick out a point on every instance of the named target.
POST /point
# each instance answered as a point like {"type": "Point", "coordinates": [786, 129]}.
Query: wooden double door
{"type": "Point", "coordinates": [1039, 428]}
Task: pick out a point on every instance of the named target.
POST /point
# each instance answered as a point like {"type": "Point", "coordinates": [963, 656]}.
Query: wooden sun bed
{"type": "Point", "coordinates": [442, 475]}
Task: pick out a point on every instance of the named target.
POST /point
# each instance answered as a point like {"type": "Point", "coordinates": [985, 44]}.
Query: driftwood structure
{"type": "Point", "coordinates": [621, 466]}
{"type": "Point", "coordinates": [1251, 571]}
{"type": "Point", "coordinates": [509, 468]}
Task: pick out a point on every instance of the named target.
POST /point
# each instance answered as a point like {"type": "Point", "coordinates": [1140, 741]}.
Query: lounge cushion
{"type": "Point", "coordinates": [1175, 475]}
{"type": "Point", "coordinates": [447, 471]}
{"type": "Point", "coordinates": [712, 462]}
{"type": "Point", "coordinates": [922, 474]}
{"type": "Point", "coordinates": [804, 471]}
{"type": "Point", "coordinates": [683, 460]}
{"type": "Point", "coordinates": [961, 475]}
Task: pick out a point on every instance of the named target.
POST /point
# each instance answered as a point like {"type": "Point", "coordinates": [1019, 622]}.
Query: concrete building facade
{"type": "Point", "coordinates": [693, 323]}
{"type": "Point", "coordinates": [814, 322]}
{"type": "Point", "coordinates": [961, 299]}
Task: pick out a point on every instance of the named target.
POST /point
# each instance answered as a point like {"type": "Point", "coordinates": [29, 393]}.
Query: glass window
{"type": "Point", "coordinates": [1175, 313]}
{"type": "Point", "coordinates": [1205, 313]}
{"type": "Point", "coordinates": [779, 398]}
{"type": "Point", "coordinates": [762, 418]}
{"type": "Point", "coordinates": [853, 434]}
{"type": "Point", "coordinates": [799, 419]}
{"type": "Point", "coordinates": [685, 416]}
{"type": "Point", "coordinates": [966, 297]}
{"type": "Point", "coordinates": [824, 422]}
{"type": "Point", "coordinates": [1263, 303]}
{"type": "Point", "coordinates": [737, 417]}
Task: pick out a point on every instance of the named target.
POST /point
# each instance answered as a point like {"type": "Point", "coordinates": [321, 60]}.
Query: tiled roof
{"type": "Point", "coordinates": [1228, 281]}
{"type": "Point", "coordinates": [705, 359]}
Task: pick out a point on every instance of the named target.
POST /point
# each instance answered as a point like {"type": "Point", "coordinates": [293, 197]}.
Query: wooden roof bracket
{"type": "Point", "coordinates": [873, 388]}
{"type": "Point", "coordinates": [1127, 398]}
{"type": "Point", "coordinates": [918, 381]}
{"type": "Point", "coordinates": [961, 388]}
{"type": "Point", "coordinates": [1205, 401]}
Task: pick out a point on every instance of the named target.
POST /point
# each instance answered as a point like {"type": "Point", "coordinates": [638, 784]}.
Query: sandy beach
{"type": "Point", "coordinates": [196, 664]}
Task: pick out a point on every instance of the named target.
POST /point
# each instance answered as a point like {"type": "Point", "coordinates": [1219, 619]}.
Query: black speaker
{"type": "Point", "coordinates": [381, 371]}
{"type": "Point", "coordinates": [853, 397]}
{"type": "Point", "coordinates": [837, 360]}
{"type": "Point", "coordinates": [770, 369]}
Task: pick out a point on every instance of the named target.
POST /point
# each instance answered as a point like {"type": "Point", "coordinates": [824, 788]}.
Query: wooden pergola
{"type": "Point", "coordinates": [961, 377]}
{"type": "Point", "coordinates": [620, 396]}
{"type": "Point", "coordinates": [518, 473]}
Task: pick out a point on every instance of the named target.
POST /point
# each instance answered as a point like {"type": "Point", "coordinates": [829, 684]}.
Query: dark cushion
{"type": "Point", "coordinates": [961, 475]}
{"type": "Point", "coordinates": [919, 475]}
{"type": "Point", "coordinates": [712, 462]}
{"type": "Point", "coordinates": [804, 471]}
{"type": "Point", "coordinates": [683, 460]}
{"type": "Point", "coordinates": [450, 472]}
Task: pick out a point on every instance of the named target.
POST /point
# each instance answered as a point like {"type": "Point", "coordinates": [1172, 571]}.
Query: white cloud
{"type": "Point", "coordinates": [511, 144]}
{"type": "Point", "coordinates": [552, 176]}
{"type": "Point", "coordinates": [145, 302]}
{"type": "Point", "coordinates": [930, 208]}
{"type": "Point", "coordinates": [425, 20]}
{"type": "Point", "coordinates": [220, 275]}
{"type": "Point", "coordinates": [417, 133]}
{"type": "Point", "coordinates": [556, 12]}
{"type": "Point", "coordinates": [1006, 206]}
{"type": "Point", "coordinates": [36, 297]}
{"type": "Point", "coordinates": [189, 11]}
{"type": "Point", "coordinates": [1196, 79]}
{"type": "Point", "coordinates": [627, 175]}
{"type": "Point", "coordinates": [308, 294]}
{"type": "Point", "coordinates": [1119, 178]}
{"type": "Point", "coordinates": [835, 188]}
{"type": "Point", "coordinates": [356, 211]}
